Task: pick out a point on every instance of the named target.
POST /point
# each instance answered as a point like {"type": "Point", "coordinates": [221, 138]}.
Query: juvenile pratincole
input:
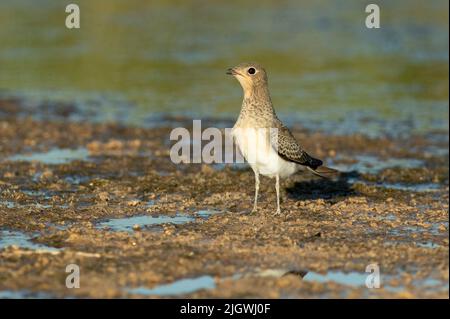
{"type": "Point", "coordinates": [267, 145]}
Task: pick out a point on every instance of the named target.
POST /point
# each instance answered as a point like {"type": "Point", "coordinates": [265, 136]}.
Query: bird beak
{"type": "Point", "coordinates": [231, 71]}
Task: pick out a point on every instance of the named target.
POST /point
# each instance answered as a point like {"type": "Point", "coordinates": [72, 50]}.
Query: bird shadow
{"type": "Point", "coordinates": [323, 188]}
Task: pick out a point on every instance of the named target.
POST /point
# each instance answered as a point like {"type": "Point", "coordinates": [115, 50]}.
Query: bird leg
{"type": "Point", "coordinates": [255, 203]}
{"type": "Point", "coordinates": [277, 187]}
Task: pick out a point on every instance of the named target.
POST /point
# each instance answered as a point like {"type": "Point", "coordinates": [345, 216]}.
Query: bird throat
{"type": "Point", "coordinates": [257, 109]}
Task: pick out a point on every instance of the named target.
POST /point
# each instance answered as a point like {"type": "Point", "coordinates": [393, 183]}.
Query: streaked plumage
{"type": "Point", "coordinates": [266, 143]}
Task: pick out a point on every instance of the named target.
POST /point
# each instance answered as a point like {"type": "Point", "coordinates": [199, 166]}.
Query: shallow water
{"type": "Point", "coordinates": [133, 62]}
{"type": "Point", "coordinates": [38, 194]}
{"type": "Point", "coordinates": [22, 240]}
{"type": "Point", "coordinates": [23, 294]}
{"type": "Point", "coordinates": [356, 279]}
{"type": "Point", "coordinates": [425, 187]}
{"type": "Point", "coordinates": [350, 279]}
{"type": "Point", "coordinates": [179, 287]}
{"type": "Point", "coordinates": [207, 213]}
{"type": "Point", "coordinates": [127, 223]}
{"type": "Point", "coordinates": [429, 228]}
{"type": "Point", "coordinates": [10, 204]}
{"type": "Point", "coordinates": [428, 244]}
{"type": "Point", "coordinates": [369, 164]}
{"type": "Point", "coordinates": [53, 156]}
{"type": "Point", "coordinates": [7, 204]}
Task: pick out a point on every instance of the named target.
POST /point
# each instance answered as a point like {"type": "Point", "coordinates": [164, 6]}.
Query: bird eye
{"type": "Point", "coordinates": [251, 71]}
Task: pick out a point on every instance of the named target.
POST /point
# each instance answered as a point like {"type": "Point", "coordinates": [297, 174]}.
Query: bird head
{"type": "Point", "coordinates": [251, 76]}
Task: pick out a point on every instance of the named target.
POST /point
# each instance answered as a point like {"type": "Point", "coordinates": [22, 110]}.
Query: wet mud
{"type": "Point", "coordinates": [107, 198]}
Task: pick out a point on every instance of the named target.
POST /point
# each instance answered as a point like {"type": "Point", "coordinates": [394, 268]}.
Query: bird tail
{"type": "Point", "coordinates": [325, 172]}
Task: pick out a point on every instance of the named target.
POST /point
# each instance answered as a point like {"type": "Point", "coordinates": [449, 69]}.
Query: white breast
{"type": "Point", "coordinates": [255, 146]}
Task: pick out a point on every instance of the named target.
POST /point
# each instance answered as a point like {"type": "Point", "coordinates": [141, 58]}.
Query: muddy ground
{"type": "Point", "coordinates": [392, 211]}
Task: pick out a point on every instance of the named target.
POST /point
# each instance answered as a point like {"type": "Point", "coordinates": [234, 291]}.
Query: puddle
{"type": "Point", "coordinates": [432, 229]}
{"type": "Point", "coordinates": [435, 228]}
{"type": "Point", "coordinates": [23, 294]}
{"type": "Point", "coordinates": [38, 196]}
{"type": "Point", "coordinates": [190, 285]}
{"type": "Point", "coordinates": [45, 206]}
{"type": "Point", "coordinates": [127, 223]}
{"type": "Point", "coordinates": [207, 213]}
{"type": "Point", "coordinates": [356, 279]}
{"type": "Point", "coordinates": [389, 217]}
{"type": "Point", "coordinates": [436, 151]}
{"type": "Point", "coordinates": [427, 187]}
{"type": "Point", "coordinates": [7, 204]}
{"type": "Point", "coordinates": [420, 188]}
{"type": "Point", "coordinates": [38, 193]}
{"type": "Point", "coordinates": [350, 279]}
{"type": "Point", "coordinates": [179, 287]}
{"type": "Point", "coordinates": [368, 164]}
{"type": "Point", "coordinates": [53, 156]}
{"type": "Point", "coordinates": [428, 244]}
{"type": "Point", "coordinates": [22, 240]}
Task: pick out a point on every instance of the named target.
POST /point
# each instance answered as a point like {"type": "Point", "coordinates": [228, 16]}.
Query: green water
{"type": "Point", "coordinates": [136, 59]}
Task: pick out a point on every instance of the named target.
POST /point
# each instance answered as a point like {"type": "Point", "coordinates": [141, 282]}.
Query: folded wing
{"type": "Point", "coordinates": [288, 148]}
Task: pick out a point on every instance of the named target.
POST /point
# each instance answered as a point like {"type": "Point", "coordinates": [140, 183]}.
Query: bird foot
{"type": "Point", "coordinates": [254, 210]}
{"type": "Point", "coordinates": [278, 212]}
